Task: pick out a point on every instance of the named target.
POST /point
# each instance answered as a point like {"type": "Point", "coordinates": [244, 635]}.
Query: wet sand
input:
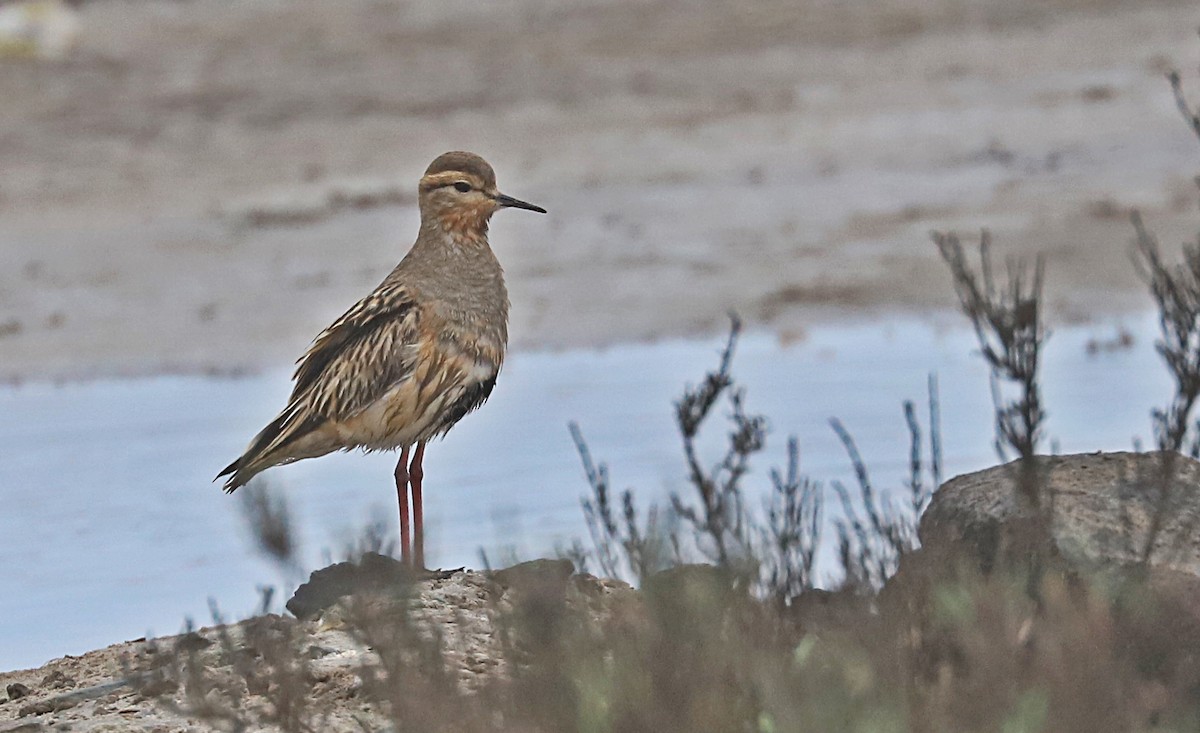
{"type": "Point", "coordinates": [202, 187]}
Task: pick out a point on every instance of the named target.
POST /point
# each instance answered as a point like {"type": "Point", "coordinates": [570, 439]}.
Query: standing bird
{"type": "Point", "coordinates": [408, 361]}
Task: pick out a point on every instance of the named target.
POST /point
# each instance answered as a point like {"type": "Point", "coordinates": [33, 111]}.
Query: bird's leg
{"type": "Point", "coordinates": [402, 495]}
{"type": "Point", "coordinates": [415, 474]}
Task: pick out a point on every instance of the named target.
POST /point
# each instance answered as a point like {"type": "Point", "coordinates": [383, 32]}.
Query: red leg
{"type": "Point", "coordinates": [402, 479]}
{"type": "Point", "coordinates": [415, 474]}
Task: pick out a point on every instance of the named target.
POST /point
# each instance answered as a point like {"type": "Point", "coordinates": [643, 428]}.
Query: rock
{"type": "Point", "coordinates": [1100, 508]}
{"type": "Point", "coordinates": [372, 574]}
{"type": "Point", "coordinates": [56, 680]}
{"type": "Point", "coordinates": [316, 652]}
{"type": "Point", "coordinates": [16, 691]}
{"type": "Point", "coordinates": [535, 572]}
{"type": "Point", "coordinates": [39, 708]}
{"type": "Point", "coordinates": [480, 625]}
{"type": "Point", "coordinates": [191, 642]}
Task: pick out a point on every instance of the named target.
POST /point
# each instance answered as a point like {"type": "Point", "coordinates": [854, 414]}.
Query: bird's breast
{"type": "Point", "coordinates": [474, 323]}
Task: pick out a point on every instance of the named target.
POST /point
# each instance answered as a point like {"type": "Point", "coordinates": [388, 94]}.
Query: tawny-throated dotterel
{"type": "Point", "coordinates": [408, 361]}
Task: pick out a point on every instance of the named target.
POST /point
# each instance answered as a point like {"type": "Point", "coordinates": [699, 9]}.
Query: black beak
{"type": "Point", "coordinates": [509, 202]}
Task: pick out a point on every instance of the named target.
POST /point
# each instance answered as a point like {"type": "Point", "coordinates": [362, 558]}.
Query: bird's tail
{"type": "Point", "coordinates": [274, 444]}
{"type": "Point", "coordinates": [239, 473]}
{"type": "Point", "coordinates": [253, 460]}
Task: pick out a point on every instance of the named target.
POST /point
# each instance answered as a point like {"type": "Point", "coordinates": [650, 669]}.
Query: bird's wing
{"type": "Point", "coordinates": [366, 351]}
{"type": "Point", "coordinates": [360, 356]}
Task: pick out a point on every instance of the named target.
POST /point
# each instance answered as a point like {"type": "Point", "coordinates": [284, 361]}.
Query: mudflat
{"type": "Point", "coordinates": [203, 186]}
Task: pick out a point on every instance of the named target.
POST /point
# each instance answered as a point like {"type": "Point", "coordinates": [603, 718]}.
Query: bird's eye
{"type": "Point", "coordinates": [462, 187]}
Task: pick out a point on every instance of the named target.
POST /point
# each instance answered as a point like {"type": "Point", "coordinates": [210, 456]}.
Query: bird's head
{"type": "Point", "coordinates": [459, 191]}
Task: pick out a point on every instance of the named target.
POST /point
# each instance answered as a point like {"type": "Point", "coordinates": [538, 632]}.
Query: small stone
{"type": "Point", "coordinates": [16, 691]}
{"type": "Point", "coordinates": [192, 642]}
{"type": "Point", "coordinates": [56, 680]}
{"type": "Point", "coordinates": [316, 652]}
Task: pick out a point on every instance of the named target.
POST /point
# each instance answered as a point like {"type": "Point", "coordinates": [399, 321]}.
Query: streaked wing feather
{"type": "Point", "coordinates": [348, 366]}
{"type": "Point", "coordinates": [389, 302]}
{"type": "Point", "coordinates": [357, 359]}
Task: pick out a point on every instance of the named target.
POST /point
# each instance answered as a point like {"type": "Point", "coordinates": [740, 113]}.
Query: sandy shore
{"type": "Point", "coordinates": [203, 186]}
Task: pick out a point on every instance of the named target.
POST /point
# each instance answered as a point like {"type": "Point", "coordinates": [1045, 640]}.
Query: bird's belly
{"type": "Point", "coordinates": [401, 417]}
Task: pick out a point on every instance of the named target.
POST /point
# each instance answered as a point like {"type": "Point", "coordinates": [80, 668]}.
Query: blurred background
{"type": "Point", "coordinates": [191, 189]}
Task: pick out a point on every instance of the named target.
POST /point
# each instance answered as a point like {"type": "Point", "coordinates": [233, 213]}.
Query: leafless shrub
{"type": "Point", "coordinates": [372, 537]}
{"type": "Point", "coordinates": [720, 528]}
{"type": "Point", "coordinates": [245, 677]}
{"type": "Point", "coordinates": [775, 549]}
{"type": "Point", "coordinates": [411, 679]}
{"type": "Point", "coordinates": [720, 521]}
{"type": "Point", "coordinates": [919, 492]}
{"type": "Point", "coordinates": [1007, 319]}
{"type": "Point", "coordinates": [1192, 117]}
{"type": "Point", "coordinates": [269, 520]}
{"type": "Point", "coordinates": [1008, 325]}
{"type": "Point", "coordinates": [793, 530]}
{"type": "Point", "coordinates": [869, 543]}
{"type": "Point", "coordinates": [621, 545]}
{"type": "Point", "coordinates": [1176, 292]}
{"type": "Point", "coordinates": [874, 533]}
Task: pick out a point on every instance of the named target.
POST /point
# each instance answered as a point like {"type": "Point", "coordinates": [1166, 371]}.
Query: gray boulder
{"type": "Point", "coordinates": [1099, 508]}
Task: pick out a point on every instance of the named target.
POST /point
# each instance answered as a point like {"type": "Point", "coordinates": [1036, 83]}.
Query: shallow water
{"type": "Point", "coordinates": [112, 528]}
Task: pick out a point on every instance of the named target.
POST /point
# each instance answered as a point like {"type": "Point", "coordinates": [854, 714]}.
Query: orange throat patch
{"type": "Point", "coordinates": [467, 223]}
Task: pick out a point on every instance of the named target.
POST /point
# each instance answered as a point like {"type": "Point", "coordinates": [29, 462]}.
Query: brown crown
{"type": "Point", "coordinates": [461, 162]}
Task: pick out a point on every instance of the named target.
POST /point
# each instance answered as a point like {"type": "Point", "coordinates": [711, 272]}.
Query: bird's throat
{"type": "Point", "coordinates": [467, 224]}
